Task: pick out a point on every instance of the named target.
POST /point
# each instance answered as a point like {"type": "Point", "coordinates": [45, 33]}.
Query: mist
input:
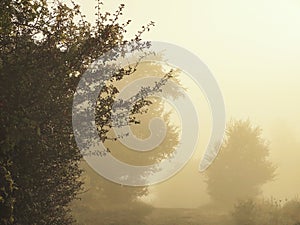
{"type": "Point", "coordinates": [253, 50]}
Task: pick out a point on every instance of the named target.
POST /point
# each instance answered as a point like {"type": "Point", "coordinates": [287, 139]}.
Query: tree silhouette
{"type": "Point", "coordinates": [241, 167]}
{"type": "Point", "coordinates": [45, 48]}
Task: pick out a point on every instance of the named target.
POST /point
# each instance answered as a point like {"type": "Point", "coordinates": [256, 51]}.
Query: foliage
{"type": "Point", "coordinates": [45, 47]}
{"type": "Point", "coordinates": [7, 188]}
{"type": "Point", "coordinates": [241, 167]}
{"type": "Point", "coordinates": [268, 212]}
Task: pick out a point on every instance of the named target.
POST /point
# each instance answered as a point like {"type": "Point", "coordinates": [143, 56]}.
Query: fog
{"type": "Point", "coordinates": [253, 50]}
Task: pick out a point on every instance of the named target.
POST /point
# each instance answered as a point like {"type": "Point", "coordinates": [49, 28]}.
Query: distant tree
{"type": "Point", "coordinates": [241, 167]}
{"type": "Point", "coordinates": [44, 50]}
{"type": "Point", "coordinates": [102, 196]}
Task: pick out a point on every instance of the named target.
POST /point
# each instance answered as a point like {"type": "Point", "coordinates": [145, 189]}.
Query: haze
{"type": "Point", "coordinates": [253, 50]}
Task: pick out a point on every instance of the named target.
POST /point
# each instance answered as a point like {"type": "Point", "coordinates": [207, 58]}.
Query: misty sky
{"type": "Point", "coordinates": [253, 50]}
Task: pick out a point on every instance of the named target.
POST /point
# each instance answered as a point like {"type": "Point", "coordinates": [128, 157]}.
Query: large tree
{"type": "Point", "coordinates": [44, 49]}
{"type": "Point", "coordinates": [242, 166]}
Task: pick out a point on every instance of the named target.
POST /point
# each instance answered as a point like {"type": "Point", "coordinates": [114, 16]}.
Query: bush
{"type": "Point", "coordinates": [267, 212]}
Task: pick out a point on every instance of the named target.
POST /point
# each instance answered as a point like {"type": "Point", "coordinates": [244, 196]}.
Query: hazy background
{"type": "Point", "coordinates": [253, 50]}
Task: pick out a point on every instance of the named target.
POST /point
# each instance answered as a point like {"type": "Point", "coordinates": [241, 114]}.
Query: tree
{"type": "Point", "coordinates": [241, 167]}
{"type": "Point", "coordinates": [104, 197]}
{"type": "Point", "coordinates": [44, 50]}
